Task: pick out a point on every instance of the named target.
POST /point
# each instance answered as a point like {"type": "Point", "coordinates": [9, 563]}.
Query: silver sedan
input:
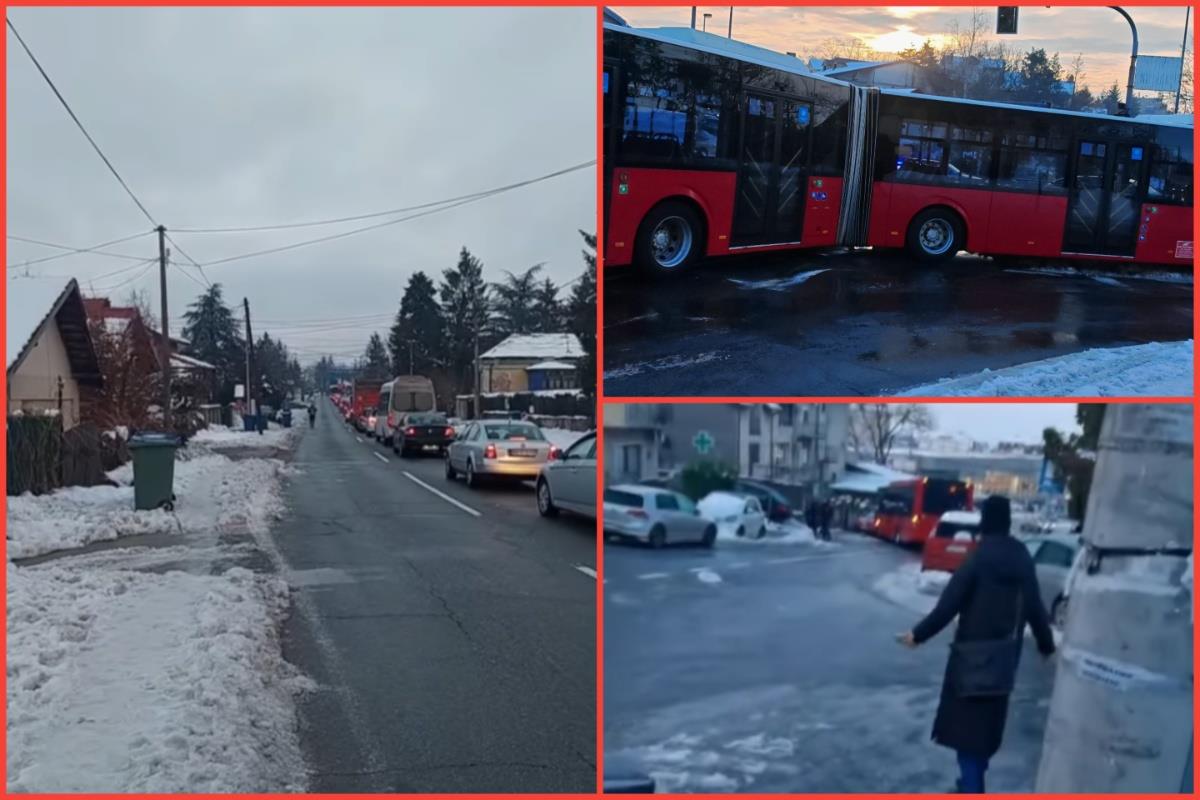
{"type": "Point", "coordinates": [498, 448]}
{"type": "Point", "coordinates": [570, 482]}
{"type": "Point", "coordinates": [655, 516]}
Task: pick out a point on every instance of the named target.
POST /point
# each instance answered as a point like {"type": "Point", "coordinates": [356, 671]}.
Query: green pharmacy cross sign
{"type": "Point", "coordinates": [703, 442]}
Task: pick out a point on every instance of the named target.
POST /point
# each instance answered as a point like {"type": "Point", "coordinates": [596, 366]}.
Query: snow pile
{"type": "Point", "coordinates": [722, 507]}
{"type": "Point", "coordinates": [1146, 369]}
{"type": "Point", "coordinates": [218, 437]}
{"type": "Point", "coordinates": [912, 588]}
{"type": "Point", "coordinates": [124, 681]}
{"type": "Point", "coordinates": [788, 533]}
{"type": "Point", "coordinates": [211, 490]}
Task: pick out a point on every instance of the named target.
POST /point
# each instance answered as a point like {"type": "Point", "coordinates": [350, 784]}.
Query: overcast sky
{"type": "Point", "coordinates": [223, 117]}
{"type": "Point", "coordinates": [1099, 33]}
{"type": "Point", "coordinates": [1008, 422]}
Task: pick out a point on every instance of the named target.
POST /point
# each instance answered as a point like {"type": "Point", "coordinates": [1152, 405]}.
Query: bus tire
{"type": "Point", "coordinates": [936, 235]}
{"type": "Point", "coordinates": [670, 239]}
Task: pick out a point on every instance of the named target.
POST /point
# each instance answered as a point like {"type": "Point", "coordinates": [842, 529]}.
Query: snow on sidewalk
{"type": "Point", "coordinates": [122, 681]}
{"type": "Point", "coordinates": [910, 586]}
{"type": "Point", "coordinates": [220, 437]}
{"type": "Point", "coordinates": [1155, 369]}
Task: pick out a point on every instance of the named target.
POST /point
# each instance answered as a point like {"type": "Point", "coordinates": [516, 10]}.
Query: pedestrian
{"type": "Point", "coordinates": [826, 519]}
{"type": "Point", "coordinates": [810, 517]}
{"type": "Point", "coordinates": [994, 594]}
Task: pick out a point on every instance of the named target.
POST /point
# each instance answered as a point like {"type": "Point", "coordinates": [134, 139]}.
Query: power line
{"type": "Point", "coordinates": [404, 210]}
{"type": "Point", "coordinates": [193, 261]}
{"type": "Point", "coordinates": [145, 267]}
{"type": "Point", "coordinates": [79, 124]}
{"type": "Point", "coordinates": [344, 234]}
{"type": "Point", "coordinates": [74, 250]}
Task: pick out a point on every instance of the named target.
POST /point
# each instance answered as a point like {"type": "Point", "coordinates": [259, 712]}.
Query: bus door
{"type": "Point", "coordinates": [1103, 208]}
{"type": "Point", "coordinates": [772, 180]}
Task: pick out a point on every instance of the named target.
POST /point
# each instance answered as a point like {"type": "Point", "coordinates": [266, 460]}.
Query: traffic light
{"type": "Point", "coordinates": [1006, 20]}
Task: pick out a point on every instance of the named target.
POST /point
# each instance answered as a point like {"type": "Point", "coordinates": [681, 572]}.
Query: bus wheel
{"type": "Point", "coordinates": [669, 239]}
{"type": "Point", "coordinates": [936, 234]}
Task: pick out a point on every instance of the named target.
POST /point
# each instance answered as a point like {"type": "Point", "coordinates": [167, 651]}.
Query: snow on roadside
{"type": "Point", "coordinates": [1155, 369]}
{"type": "Point", "coordinates": [219, 437]}
{"type": "Point", "coordinates": [122, 681]}
{"type": "Point", "coordinates": [789, 533]}
{"type": "Point", "coordinates": [911, 587]}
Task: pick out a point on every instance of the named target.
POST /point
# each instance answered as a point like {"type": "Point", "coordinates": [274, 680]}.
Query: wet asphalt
{"type": "Point", "coordinates": [862, 323]}
{"type": "Point", "coordinates": [452, 652]}
{"type": "Point", "coordinates": [774, 669]}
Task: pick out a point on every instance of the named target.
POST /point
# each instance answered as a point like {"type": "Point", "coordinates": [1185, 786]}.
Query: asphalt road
{"type": "Point", "coordinates": [868, 324]}
{"type": "Point", "coordinates": [774, 669]}
{"type": "Point", "coordinates": [452, 637]}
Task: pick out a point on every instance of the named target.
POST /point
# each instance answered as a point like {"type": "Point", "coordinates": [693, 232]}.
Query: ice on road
{"type": "Point", "coordinates": [1153, 370]}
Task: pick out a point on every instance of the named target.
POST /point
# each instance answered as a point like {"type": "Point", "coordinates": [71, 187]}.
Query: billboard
{"type": "Point", "coordinates": [1157, 73]}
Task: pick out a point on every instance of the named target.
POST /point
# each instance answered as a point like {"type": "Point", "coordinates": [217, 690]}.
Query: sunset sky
{"type": "Point", "coordinates": [1099, 33]}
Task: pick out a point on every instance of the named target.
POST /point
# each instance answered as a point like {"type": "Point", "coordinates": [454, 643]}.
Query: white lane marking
{"type": "Point", "coordinates": [653, 576]}
{"type": "Point", "coordinates": [586, 570]}
{"type": "Point", "coordinates": [381, 457]}
{"type": "Point", "coordinates": [442, 494]}
{"type": "Point", "coordinates": [358, 439]}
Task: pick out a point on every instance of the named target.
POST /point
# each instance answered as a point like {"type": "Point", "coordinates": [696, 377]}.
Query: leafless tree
{"type": "Point", "coordinates": [874, 427]}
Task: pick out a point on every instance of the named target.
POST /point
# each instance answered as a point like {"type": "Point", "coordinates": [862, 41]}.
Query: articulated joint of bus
{"type": "Point", "coordinates": [861, 128]}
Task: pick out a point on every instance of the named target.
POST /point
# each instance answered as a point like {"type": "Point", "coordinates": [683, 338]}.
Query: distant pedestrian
{"type": "Point", "coordinates": [826, 514]}
{"type": "Point", "coordinates": [994, 594]}
{"type": "Point", "coordinates": [810, 517]}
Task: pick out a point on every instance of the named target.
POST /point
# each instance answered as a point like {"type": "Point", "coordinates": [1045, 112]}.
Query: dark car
{"type": "Point", "coordinates": [777, 507]}
{"type": "Point", "coordinates": [423, 432]}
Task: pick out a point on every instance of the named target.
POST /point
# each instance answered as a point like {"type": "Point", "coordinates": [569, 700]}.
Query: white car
{"type": "Point", "coordinates": [740, 513]}
{"type": "Point", "coordinates": [569, 482]}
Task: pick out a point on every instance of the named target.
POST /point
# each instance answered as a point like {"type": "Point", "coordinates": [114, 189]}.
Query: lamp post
{"type": "Point", "coordinates": [1132, 60]}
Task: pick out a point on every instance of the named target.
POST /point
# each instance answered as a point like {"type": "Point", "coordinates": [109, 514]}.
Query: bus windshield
{"type": "Point", "coordinates": [941, 496]}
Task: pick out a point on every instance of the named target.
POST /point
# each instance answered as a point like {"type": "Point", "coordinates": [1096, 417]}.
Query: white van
{"type": "Point", "coordinates": [402, 395]}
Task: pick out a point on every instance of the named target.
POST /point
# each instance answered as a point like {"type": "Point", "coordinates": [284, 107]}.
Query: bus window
{"type": "Point", "coordinates": [897, 500]}
{"type": "Point", "coordinates": [1171, 168]}
{"type": "Point", "coordinates": [920, 150]}
{"type": "Point", "coordinates": [970, 159]}
{"type": "Point", "coordinates": [943, 496]}
{"type": "Point", "coordinates": [1040, 171]}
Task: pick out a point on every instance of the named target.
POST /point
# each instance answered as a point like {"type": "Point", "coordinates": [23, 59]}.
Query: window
{"type": "Point", "coordinates": [617, 497]}
{"type": "Point", "coordinates": [941, 496]}
{"type": "Point", "coordinates": [518, 431]}
{"type": "Point", "coordinates": [584, 448]}
{"type": "Point", "coordinates": [666, 502]}
{"type": "Point", "coordinates": [685, 504]}
{"type": "Point", "coordinates": [787, 415]}
{"type": "Point", "coordinates": [754, 454]}
{"type": "Point", "coordinates": [1054, 554]}
{"type": "Point", "coordinates": [1171, 169]}
{"type": "Point", "coordinates": [755, 421]}
{"type": "Point", "coordinates": [1033, 163]}
{"type": "Point", "coordinates": [970, 162]}
{"type": "Point", "coordinates": [631, 459]}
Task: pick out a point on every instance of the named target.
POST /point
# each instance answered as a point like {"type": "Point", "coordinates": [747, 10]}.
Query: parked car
{"type": "Point", "coordinates": [497, 448]}
{"type": "Point", "coordinates": [742, 513]}
{"type": "Point", "coordinates": [777, 507]}
{"type": "Point", "coordinates": [570, 482]}
{"type": "Point", "coordinates": [655, 516]}
{"type": "Point", "coordinates": [422, 432]}
{"type": "Point", "coordinates": [955, 537]}
{"type": "Point", "coordinates": [1054, 556]}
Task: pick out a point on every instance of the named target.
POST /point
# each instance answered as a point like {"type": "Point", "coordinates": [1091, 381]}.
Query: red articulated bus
{"type": "Point", "coordinates": [909, 510]}
{"type": "Point", "coordinates": [713, 147]}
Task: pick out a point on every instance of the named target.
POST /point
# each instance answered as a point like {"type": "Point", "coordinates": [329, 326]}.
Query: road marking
{"type": "Point", "coordinates": [381, 457]}
{"type": "Point", "coordinates": [441, 494]}
{"type": "Point", "coordinates": [358, 439]}
{"type": "Point", "coordinates": [586, 570]}
{"type": "Point", "coordinates": [653, 576]}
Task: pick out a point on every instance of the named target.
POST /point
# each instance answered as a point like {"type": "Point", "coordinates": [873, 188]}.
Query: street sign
{"type": "Point", "coordinates": [1006, 20]}
{"type": "Point", "coordinates": [1157, 73]}
{"type": "Point", "coordinates": [1048, 481]}
{"type": "Point", "coordinates": [703, 442]}
{"type": "Point", "coordinates": [239, 391]}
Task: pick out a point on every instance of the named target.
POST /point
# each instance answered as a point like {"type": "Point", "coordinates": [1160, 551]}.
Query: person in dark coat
{"type": "Point", "coordinates": [825, 512]}
{"type": "Point", "coordinates": [994, 592]}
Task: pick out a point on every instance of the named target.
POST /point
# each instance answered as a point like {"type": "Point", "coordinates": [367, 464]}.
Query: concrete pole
{"type": "Point", "coordinates": [693, 18]}
{"type": "Point", "coordinates": [1121, 713]}
{"type": "Point", "coordinates": [1187, 17]}
{"type": "Point", "coordinates": [165, 345]}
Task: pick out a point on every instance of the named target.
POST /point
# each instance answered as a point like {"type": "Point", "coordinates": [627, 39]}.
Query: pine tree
{"type": "Point", "coordinates": [547, 310]}
{"type": "Point", "coordinates": [376, 363]}
{"type": "Point", "coordinates": [512, 302]}
{"type": "Point", "coordinates": [416, 337]}
{"type": "Point", "coordinates": [581, 314]}
{"type": "Point", "coordinates": [213, 334]}
{"type": "Point", "coordinates": [464, 300]}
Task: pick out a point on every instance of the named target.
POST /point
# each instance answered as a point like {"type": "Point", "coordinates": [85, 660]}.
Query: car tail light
{"type": "Point", "coordinates": [915, 519]}
{"type": "Point", "coordinates": [410, 431]}
{"type": "Point", "coordinates": [636, 512]}
{"type": "Point", "coordinates": [554, 453]}
{"type": "Point", "coordinates": [489, 451]}
{"type": "Point", "coordinates": [450, 432]}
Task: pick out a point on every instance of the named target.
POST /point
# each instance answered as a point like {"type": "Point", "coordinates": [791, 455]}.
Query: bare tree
{"type": "Point", "coordinates": [967, 40]}
{"type": "Point", "coordinates": [875, 427]}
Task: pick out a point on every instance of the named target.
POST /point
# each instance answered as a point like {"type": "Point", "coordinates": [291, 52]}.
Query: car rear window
{"type": "Point", "coordinates": [427, 419]}
{"type": "Point", "coordinates": [946, 530]}
{"type": "Point", "coordinates": [620, 498]}
{"type": "Point", "coordinates": [524, 431]}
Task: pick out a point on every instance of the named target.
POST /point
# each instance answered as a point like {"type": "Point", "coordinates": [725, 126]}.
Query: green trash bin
{"type": "Point", "coordinates": [153, 470]}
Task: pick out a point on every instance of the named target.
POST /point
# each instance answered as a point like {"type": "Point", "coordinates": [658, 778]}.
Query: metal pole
{"type": "Point", "coordinates": [165, 347]}
{"type": "Point", "coordinates": [1121, 712]}
{"type": "Point", "coordinates": [249, 371]}
{"type": "Point", "coordinates": [1187, 17]}
{"type": "Point", "coordinates": [1129, 111]}
{"type": "Point", "coordinates": [693, 18]}
{"type": "Point", "coordinates": [478, 399]}
{"type": "Point", "coordinates": [731, 22]}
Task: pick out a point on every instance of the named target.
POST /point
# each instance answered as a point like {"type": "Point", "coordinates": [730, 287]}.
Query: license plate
{"type": "Point", "coordinates": [523, 453]}
{"type": "Point", "coordinates": [430, 447]}
{"type": "Point", "coordinates": [956, 549]}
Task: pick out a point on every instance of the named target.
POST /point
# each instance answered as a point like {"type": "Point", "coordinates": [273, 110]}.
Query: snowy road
{"type": "Point", "coordinates": [774, 669]}
{"type": "Point", "coordinates": [846, 324]}
{"type": "Point", "coordinates": [452, 631]}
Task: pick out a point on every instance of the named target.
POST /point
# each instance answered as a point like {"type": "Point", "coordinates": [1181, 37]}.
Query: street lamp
{"type": "Point", "coordinates": [1132, 60]}
{"type": "Point", "coordinates": [704, 23]}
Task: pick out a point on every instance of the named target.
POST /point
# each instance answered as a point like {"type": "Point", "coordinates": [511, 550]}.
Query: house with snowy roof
{"type": "Point", "coordinates": [52, 364]}
{"type": "Point", "coordinates": [532, 362]}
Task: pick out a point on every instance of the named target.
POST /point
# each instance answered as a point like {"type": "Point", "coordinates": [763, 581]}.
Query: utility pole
{"type": "Point", "coordinates": [1121, 713]}
{"type": "Point", "coordinates": [478, 398]}
{"type": "Point", "coordinates": [731, 22]}
{"type": "Point", "coordinates": [1187, 17]}
{"type": "Point", "coordinates": [1129, 111]}
{"type": "Point", "coordinates": [410, 357]}
{"type": "Point", "coordinates": [251, 399]}
{"type": "Point", "coordinates": [693, 18]}
{"type": "Point", "coordinates": [165, 346]}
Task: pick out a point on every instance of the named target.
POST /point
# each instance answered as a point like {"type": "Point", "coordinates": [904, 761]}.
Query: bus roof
{"type": "Point", "coordinates": [1169, 120]}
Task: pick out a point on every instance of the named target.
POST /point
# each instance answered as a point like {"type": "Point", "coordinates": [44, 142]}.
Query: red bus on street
{"type": "Point", "coordinates": [909, 510]}
{"type": "Point", "coordinates": [713, 147]}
